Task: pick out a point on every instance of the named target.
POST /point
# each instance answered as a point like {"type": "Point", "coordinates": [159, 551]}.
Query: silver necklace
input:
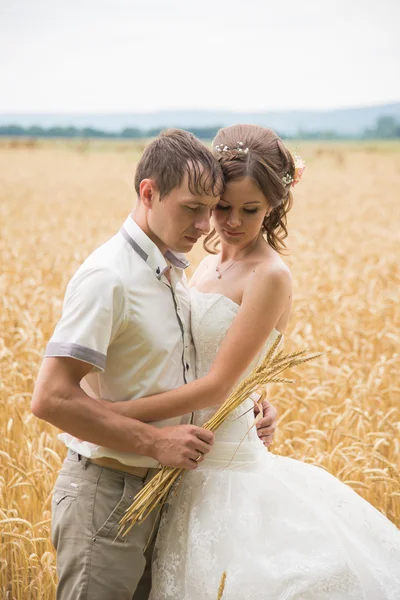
{"type": "Point", "coordinates": [218, 270]}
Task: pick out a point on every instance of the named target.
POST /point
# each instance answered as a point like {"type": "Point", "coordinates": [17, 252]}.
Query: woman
{"type": "Point", "coordinates": [280, 528]}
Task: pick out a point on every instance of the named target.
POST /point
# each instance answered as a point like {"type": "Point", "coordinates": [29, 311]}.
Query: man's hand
{"type": "Point", "coordinates": [266, 426]}
{"type": "Point", "coordinates": [182, 446]}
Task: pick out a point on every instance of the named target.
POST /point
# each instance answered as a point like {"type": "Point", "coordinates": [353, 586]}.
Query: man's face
{"type": "Point", "coordinates": [181, 218]}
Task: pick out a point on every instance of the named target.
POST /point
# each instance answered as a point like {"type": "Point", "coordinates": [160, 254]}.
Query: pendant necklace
{"type": "Point", "coordinates": [219, 273]}
{"type": "Point", "coordinates": [218, 270]}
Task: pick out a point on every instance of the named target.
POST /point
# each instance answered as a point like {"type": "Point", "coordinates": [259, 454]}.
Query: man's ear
{"type": "Point", "coordinates": [148, 192]}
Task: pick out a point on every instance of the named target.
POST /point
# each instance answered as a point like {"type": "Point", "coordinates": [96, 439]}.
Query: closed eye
{"type": "Point", "coordinates": [251, 211]}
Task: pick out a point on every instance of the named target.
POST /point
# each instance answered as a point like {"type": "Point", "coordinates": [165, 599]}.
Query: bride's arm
{"type": "Point", "coordinates": [265, 298]}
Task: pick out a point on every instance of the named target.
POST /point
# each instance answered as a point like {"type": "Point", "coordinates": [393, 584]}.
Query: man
{"type": "Point", "coordinates": [124, 334]}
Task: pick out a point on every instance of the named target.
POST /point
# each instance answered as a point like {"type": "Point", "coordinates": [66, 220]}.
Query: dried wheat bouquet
{"type": "Point", "coordinates": [154, 494]}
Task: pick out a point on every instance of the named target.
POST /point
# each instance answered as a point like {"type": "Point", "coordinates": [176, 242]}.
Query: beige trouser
{"type": "Point", "coordinates": [88, 502]}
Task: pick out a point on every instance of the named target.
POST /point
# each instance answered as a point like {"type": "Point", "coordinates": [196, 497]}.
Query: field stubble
{"type": "Point", "coordinates": [58, 203]}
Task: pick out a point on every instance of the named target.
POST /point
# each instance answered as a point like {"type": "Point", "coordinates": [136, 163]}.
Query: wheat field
{"type": "Point", "coordinates": [59, 201]}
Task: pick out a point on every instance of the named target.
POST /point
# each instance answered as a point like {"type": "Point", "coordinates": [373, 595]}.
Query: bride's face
{"type": "Point", "coordinates": [239, 215]}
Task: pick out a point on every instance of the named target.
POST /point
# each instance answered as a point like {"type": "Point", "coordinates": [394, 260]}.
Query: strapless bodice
{"type": "Point", "coordinates": [211, 316]}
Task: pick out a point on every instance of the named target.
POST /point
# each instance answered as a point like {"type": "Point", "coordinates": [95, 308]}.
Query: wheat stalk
{"type": "Point", "coordinates": [221, 586]}
{"type": "Point", "coordinates": [156, 491]}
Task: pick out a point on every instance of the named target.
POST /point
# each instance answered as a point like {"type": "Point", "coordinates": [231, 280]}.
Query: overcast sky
{"type": "Point", "coordinates": [145, 55]}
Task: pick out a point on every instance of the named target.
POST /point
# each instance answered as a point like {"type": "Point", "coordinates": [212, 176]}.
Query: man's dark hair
{"type": "Point", "coordinates": [173, 154]}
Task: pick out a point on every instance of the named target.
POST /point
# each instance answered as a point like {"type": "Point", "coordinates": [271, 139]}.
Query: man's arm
{"type": "Point", "coordinates": [59, 399]}
{"type": "Point", "coordinates": [266, 426]}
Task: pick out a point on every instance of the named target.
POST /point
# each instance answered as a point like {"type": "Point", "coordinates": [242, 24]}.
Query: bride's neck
{"type": "Point", "coordinates": [231, 253]}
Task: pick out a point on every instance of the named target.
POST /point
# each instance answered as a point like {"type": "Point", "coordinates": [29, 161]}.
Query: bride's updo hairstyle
{"type": "Point", "coordinates": [257, 152]}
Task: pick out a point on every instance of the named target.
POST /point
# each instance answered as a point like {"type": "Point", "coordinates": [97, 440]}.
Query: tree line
{"type": "Point", "coordinates": [90, 132]}
{"type": "Point", "coordinates": [386, 127]}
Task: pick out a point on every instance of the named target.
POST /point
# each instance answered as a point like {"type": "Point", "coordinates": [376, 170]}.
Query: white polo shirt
{"type": "Point", "coordinates": [123, 316]}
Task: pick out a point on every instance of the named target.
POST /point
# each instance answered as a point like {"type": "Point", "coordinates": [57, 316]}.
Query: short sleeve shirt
{"type": "Point", "coordinates": [125, 318]}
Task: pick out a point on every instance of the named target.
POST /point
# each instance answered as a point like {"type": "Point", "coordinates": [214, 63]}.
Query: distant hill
{"type": "Point", "coordinates": [351, 121]}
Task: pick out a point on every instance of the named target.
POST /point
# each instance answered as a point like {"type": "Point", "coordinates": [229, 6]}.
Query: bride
{"type": "Point", "coordinates": [280, 528]}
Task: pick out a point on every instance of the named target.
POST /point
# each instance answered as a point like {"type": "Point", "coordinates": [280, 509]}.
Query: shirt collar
{"type": "Point", "coordinates": [148, 250]}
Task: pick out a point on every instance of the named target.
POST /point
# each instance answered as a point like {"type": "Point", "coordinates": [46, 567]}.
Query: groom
{"type": "Point", "coordinates": [125, 333]}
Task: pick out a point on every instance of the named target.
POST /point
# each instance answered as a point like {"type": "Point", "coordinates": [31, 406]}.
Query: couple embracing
{"type": "Point", "coordinates": [141, 359]}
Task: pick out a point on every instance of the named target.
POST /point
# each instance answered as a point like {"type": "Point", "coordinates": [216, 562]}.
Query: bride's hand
{"type": "Point", "coordinates": [266, 426]}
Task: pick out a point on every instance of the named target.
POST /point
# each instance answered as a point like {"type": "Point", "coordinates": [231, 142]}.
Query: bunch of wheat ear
{"type": "Point", "coordinates": [154, 494]}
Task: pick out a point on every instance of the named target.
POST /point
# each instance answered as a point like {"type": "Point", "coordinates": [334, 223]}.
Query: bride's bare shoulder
{"type": "Point", "coordinates": [273, 273]}
{"type": "Point", "coordinates": [271, 265]}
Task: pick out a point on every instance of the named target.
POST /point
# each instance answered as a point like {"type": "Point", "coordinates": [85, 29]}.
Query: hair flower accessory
{"type": "Point", "coordinates": [239, 148]}
{"type": "Point", "coordinates": [287, 179]}
{"type": "Point", "coordinates": [299, 166]}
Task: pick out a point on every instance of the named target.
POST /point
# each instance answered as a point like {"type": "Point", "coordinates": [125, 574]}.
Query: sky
{"type": "Point", "coordinates": [96, 56]}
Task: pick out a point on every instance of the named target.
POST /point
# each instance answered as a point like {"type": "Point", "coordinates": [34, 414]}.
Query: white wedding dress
{"type": "Point", "coordinates": [280, 528]}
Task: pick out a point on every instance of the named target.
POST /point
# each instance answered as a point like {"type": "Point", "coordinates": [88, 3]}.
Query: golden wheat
{"type": "Point", "coordinates": [155, 492]}
{"type": "Point", "coordinates": [221, 586]}
{"type": "Point", "coordinates": [59, 201]}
